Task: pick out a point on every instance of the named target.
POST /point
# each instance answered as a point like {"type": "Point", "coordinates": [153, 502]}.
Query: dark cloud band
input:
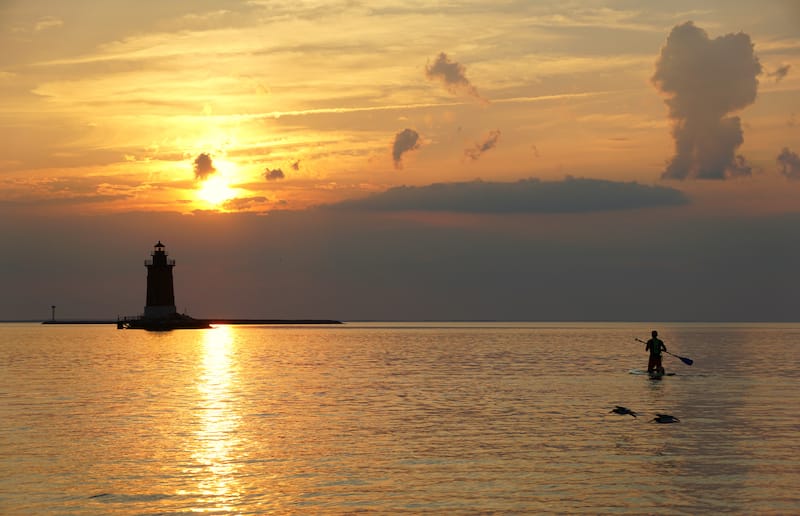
{"type": "Point", "coordinates": [572, 195]}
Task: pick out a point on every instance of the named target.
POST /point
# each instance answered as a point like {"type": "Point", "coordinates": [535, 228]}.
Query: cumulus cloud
{"type": "Point", "coordinates": [705, 80]}
{"type": "Point", "coordinates": [572, 195]}
{"type": "Point", "coordinates": [404, 141]}
{"type": "Point", "coordinates": [489, 142]}
{"type": "Point", "coordinates": [789, 163]}
{"type": "Point", "coordinates": [780, 72]}
{"type": "Point", "coordinates": [203, 166]}
{"type": "Point", "coordinates": [273, 174]}
{"type": "Point", "coordinates": [452, 75]}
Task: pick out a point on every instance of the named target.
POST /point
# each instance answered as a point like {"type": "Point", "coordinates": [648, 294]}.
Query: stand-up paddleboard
{"type": "Point", "coordinates": [651, 375]}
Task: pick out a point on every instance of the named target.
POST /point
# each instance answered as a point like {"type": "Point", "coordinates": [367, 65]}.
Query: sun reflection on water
{"type": "Point", "coordinates": [216, 439]}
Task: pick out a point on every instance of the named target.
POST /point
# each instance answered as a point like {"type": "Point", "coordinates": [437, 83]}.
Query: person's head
{"type": "Point", "coordinates": [654, 333]}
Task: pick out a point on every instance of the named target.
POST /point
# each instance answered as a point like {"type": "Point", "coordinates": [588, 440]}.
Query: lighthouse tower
{"type": "Point", "coordinates": [160, 292]}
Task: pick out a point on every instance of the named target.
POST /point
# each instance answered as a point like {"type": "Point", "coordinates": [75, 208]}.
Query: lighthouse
{"type": "Point", "coordinates": [159, 312]}
{"type": "Point", "coordinates": [160, 291]}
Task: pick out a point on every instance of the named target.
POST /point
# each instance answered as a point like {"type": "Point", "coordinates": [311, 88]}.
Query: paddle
{"type": "Point", "coordinates": [687, 361]}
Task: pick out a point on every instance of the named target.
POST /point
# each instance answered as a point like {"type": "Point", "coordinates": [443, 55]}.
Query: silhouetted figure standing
{"type": "Point", "coordinates": [655, 346]}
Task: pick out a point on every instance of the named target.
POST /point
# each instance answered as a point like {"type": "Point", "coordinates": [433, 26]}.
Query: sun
{"type": "Point", "coordinates": [216, 188]}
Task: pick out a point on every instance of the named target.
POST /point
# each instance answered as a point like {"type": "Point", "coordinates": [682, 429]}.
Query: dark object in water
{"type": "Point", "coordinates": [623, 411]}
{"type": "Point", "coordinates": [173, 322]}
{"type": "Point", "coordinates": [666, 418]}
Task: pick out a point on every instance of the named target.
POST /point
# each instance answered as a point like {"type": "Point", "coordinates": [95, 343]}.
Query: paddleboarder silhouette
{"type": "Point", "coordinates": [655, 346]}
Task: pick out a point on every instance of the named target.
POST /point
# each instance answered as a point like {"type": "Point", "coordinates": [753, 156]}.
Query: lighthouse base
{"type": "Point", "coordinates": [160, 312]}
{"type": "Point", "coordinates": [172, 322]}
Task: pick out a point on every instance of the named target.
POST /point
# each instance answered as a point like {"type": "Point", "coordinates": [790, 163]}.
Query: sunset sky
{"type": "Point", "coordinates": [576, 160]}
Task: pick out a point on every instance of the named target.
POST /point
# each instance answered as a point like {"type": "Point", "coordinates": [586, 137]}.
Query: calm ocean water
{"type": "Point", "coordinates": [397, 418]}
